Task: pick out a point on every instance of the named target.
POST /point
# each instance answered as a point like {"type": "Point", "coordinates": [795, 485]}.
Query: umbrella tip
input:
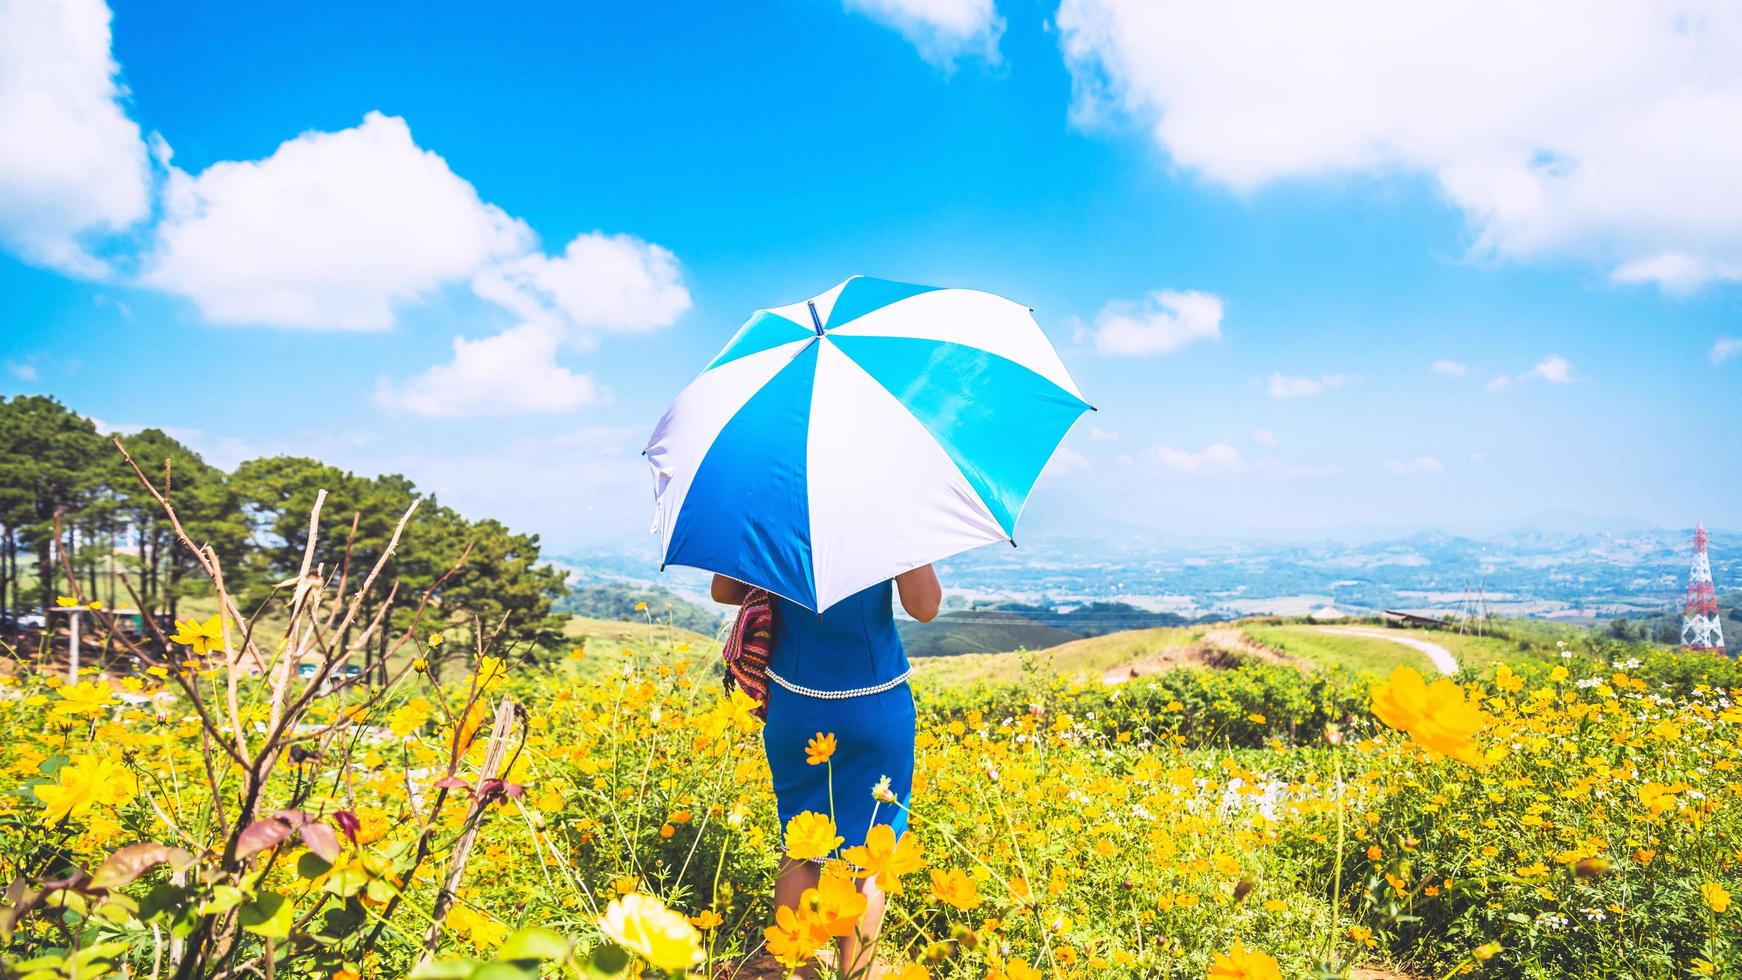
{"type": "Point", "coordinates": [1012, 542]}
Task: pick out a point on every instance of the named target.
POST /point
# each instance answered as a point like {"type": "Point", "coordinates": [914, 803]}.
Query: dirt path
{"type": "Point", "coordinates": [1441, 657]}
{"type": "Point", "coordinates": [1222, 647]}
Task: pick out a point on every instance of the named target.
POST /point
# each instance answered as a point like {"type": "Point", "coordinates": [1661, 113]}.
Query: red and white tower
{"type": "Point", "coordinates": [1701, 629]}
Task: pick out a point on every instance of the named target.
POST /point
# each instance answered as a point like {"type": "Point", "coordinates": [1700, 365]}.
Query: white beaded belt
{"type": "Point", "coordinates": [857, 692]}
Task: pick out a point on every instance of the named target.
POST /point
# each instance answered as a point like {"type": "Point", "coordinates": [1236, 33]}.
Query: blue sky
{"type": "Point", "coordinates": [1305, 299]}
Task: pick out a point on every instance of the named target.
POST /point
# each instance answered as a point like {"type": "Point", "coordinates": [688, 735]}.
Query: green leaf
{"type": "Point", "coordinates": [608, 961]}
{"type": "Point", "coordinates": [52, 765]}
{"type": "Point", "coordinates": [345, 882]}
{"type": "Point", "coordinates": [224, 898]}
{"type": "Point", "coordinates": [534, 943]}
{"type": "Point", "coordinates": [268, 914]}
{"type": "Point", "coordinates": [503, 971]}
{"type": "Point", "coordinates": [311, 865]}
{"type": "Point", "coordinates": [379, 891]}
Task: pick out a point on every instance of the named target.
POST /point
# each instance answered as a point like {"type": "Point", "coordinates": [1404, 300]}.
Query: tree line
{"type": "Point", "coordinates": [55, 464]}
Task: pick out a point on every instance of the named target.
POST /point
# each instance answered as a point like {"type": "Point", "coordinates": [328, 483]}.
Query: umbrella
{"type": "Point", "coordinates": [838, 442]}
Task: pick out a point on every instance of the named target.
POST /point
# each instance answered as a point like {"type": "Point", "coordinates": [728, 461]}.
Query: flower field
{"type": "Point", "coordinates": [1569, 817]}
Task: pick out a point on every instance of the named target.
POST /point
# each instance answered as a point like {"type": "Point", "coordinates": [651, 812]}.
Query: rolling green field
{"type": "Point", "coordinates": [1079, 658]}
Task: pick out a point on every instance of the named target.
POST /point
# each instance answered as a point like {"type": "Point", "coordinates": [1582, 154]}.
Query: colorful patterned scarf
{"type": "Point", "coordinates": [747, 649]}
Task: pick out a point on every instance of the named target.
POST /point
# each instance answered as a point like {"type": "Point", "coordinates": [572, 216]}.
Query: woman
{"type": "Point", "coordinates": [842, 672]}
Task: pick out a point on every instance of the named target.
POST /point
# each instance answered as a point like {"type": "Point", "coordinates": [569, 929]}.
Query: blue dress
{"type": "Point", "coordinates": [852, 645]}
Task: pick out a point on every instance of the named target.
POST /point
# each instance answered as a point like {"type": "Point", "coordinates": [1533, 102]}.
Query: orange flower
{"type": "Point", "coordinates": [835, 905]}
{"type": "Point", "coordinates": [811, 835]}
{"type": "Point", "coordinates": [955, 888]}
{"type": "Point", "coordinates": [885, 858]}
{"type": "Point", "coordinates": [818, 750]}
{"type": "Point", "coordinates": [793, 939]}
{"type": "Point", "coordinates": [1436, 715]}
{"type": "Point", "coordinates": [1240, 963]}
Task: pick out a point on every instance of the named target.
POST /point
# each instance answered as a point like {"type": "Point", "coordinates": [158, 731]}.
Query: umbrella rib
{"type": "Point", "coordinates": [816, 320]}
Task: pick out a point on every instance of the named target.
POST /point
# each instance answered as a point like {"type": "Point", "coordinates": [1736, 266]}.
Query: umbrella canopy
{"type": "Point", "coordinates": [841, 441]}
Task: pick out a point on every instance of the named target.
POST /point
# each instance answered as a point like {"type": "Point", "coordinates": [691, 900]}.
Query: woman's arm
{"type": "Point", "coordinates": [920, 593]}
{"type": "Point", "coordinates": [728, 590]}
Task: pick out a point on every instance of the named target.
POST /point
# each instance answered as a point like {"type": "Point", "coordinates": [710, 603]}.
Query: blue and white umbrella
{"type": "Point", "coordinates": [841, 441]}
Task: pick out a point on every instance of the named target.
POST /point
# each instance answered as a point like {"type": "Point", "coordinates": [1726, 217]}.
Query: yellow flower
{"type": "Point", "coordinates": [1507, 681]}
{"type": "Point", "coordinates": [818, 750]}
{"type": "Point", "coordinates": [885, 858]}
{"type": "Point", "coordinates": [1020, 970]}
{"type": "Point", "coordinates": [955, 888]}
{"type": "Point", "coordinates": [483, 931]}
{"type": "Point", "coordinates": [203, 637]}
{"type": "Point", "coordinates": [409, 717]}
{"type": "Point", "coordinates": [1436, 715]}
{"type": "Point", "coordinates": [86, 699]}
{"type": "Point", "coordinates": [65, 601]}
{"type": "Point", "coordinates": [811, 835]}
{"type": "Point", "coordinates": [644, 926]}
{"type": "Point", "coordinates": [1715, 897]}
{"type": "Point", "coordinates": [1486, 952]}
{"type": "Point", "coordinates": [1240, 963]}
{"type": "Point", "coordinates": [436, 640]}
{"type": "Point", "coordinates": [85, 783]}
{"type": "Point", "coordinates": [706, 919]}
{"type": "Point", "coordinates": [491, 672]}
{"type": "Point", "coordinates": [793, 939]}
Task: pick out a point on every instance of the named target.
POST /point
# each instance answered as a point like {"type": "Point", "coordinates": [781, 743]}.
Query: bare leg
{"type": "Point", "coordinates": [790, 883]}
{"type": "Point", "coordinates": [859, 951]}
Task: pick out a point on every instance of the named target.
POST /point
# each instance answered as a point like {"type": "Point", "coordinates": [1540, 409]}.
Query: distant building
{"type": "Point", "coordinates": [1327, 614]}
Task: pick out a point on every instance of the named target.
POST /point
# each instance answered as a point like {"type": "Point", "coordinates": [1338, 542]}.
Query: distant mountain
{"type": "Point", "coordinates": [618, 601]}
{"type": "Point", "coordinates": [978, 631]}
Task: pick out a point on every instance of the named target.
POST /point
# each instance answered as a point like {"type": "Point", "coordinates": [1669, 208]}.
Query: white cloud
{"type": "Point", "coordinates": [1603, 130]}
{"type": "Point", "coordinates": [71, 161]}
{"type": "Point", "coordinates": [1218, 457]}
{"type": "Point", "coordinates": [1554, 369]}
{"type": "Point", "coordinates": [331, 231]}
{"type": "Point", "coordinates": [1098, 434]}
{"type": "Point", "coordinates": [1284, 386]}
{"type": "Point", "coordinates": [610, 282]}
{"type": "Point", "coordinates": [942, 30]}
{"type": "Point", "coordinates": [512, 373]}
{"type": "Point", "coordinates": [1725, 348]}
{"type": "Point", "coordinates": [1265, 436]}
{"type": "Point", "coordinates": [1419, 466]}
{"type": "Point", "coordinates": [1161, 323]}
{"type": "Point", "coordinates": [1448, 369]}
{"type": "Point", "coordinates": [25, 370]}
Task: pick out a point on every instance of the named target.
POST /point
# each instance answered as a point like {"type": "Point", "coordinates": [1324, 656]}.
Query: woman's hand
{"type": "Point", "coordinates": [728, 590]}
{"type": "Point", "coordinates": [920, 593]}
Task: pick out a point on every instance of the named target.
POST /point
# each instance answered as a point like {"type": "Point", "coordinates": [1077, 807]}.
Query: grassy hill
{"type": "Point", "coordinates": [612, 601]}
{"type": "Point", "coordinates": [978, 631]}
{"type": "Point", "coordinates": [605, 642]}
{"type": "Point", "coordinates": [1082, 657]}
